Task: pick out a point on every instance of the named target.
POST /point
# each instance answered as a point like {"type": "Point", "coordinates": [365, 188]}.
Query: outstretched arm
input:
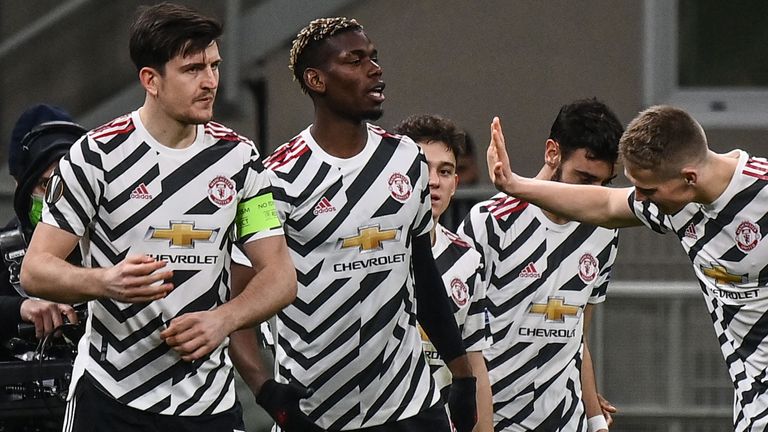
{"type": "Point", "coordinates": [597, 205]}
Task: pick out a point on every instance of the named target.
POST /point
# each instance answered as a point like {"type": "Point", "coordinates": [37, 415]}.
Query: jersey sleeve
{"type": "Point", "coordinates": [75, 188]}
{"type": "Point", "coordinates": [649, 214]}
{"type": "Point", "coordinates": [476, 329]}
{"type": "Point", "coordinates": [256, 212]}
{"type": "Point", "coordinates": [608, 257]}
{"type": "Point", "coordinates": [473, 230]}
{"type": "Point", "coordinates": [423, 223]}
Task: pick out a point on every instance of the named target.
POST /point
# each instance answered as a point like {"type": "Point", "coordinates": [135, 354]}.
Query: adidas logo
{"type": "Point", "coordinates": [141, 192]}
{"type": "Point", "coordinates": [530, 271]}
{"type": "Point", "coordinates": [690, 232]}
{"type": "Point", "coordinates": [324, 206]}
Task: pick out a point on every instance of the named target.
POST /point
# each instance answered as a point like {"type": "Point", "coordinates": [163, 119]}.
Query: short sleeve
{"type": "Point", "coordinates": [649, 214]}
{"type": "Point", "coordinates": [607, 257]}
{"type": "Point", "coordinates": [256, 212]}
{"type": "Point", "coordinates": [75, 188]}
{"type": "Point", "coordinates": [423, 221]}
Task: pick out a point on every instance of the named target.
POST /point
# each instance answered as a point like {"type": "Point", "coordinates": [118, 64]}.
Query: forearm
{"type": "Point", "coordinates": [596, 205]}
{"type": "Point", "coordinates": [484, 397]}
{"type": "Point", "coordinates": [589, 386]}
{"type": "Point", "coordinates": [260, 292]}
{"type": "Point", "coordinates": [245, 351]}
{"type": "Point", "coordinates": [49, 277]}
{"type": "Point", "coordinates": [433, 310]}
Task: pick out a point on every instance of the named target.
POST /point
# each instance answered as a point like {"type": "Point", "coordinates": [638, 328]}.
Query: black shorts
{"type": "Point", "coordinates": [90, 410]}
{"type": "Point", "coordinates": [433, 419]}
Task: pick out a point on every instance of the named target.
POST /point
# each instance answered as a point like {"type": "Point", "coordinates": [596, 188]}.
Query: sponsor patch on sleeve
{"type": "Point", "coordinates": [256, 214]}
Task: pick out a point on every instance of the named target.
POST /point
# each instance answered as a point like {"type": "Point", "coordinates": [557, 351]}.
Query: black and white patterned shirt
{"type": "Point", "coordinates": [351, 333]}
{"type": "Point", "coordinates": [124, 193]}
{"type": "Point", "coordinates": [724, 241]}
{"type": "Point", "coordinates": [540, 275]}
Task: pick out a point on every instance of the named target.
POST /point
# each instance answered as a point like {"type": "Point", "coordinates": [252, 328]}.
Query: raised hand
{"type": "Point", "coordinates": [499, 169]}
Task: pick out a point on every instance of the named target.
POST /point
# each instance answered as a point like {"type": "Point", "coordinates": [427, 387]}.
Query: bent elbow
{"type": "Point", "coordinates": [292, 289]}
{"type": "Point", "coordinates": [26, 278]}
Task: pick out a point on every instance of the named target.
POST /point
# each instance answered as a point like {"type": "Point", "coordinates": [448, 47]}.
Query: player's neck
{"type": "Point", "coordinates": [717, 174]}
{"type": "Point", "coordinates": [432, 234]}
{"type": "Point", "coordinates": [165, 130]}
{"type": "Point", "coordinates": [337, 136]}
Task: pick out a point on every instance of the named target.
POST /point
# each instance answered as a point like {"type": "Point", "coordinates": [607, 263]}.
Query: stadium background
{"type": "Point", "coordinates": [656, 355]}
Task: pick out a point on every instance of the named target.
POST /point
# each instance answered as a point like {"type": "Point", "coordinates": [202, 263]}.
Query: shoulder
{"type": "Point", "coordinates": [453, 238]}
{"type": "Point", "coordinates": [501, 206]}
{"type": "Point", "coordinates": [402, 142]}
{"type": "Point", "coordinates": [286, 153]}
{"type": "Point", "coordinates": [120, 126]}
{"type": "Point", "coordinates": [222, 133]}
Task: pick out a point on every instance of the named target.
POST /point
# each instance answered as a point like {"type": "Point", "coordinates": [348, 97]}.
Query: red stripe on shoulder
{"type": "Point", "coordinates": [286, 153]}
{"type": "Point", "coordinates": [455, 239]}
{"type": "Point", "coordinates": [218, 130]}
{"type": "Point", "coordinates": [379, 131]}
{"type": "Point", "coordinates": [505, 206]}
{"type": "Point", "coordinates": [117, 126]}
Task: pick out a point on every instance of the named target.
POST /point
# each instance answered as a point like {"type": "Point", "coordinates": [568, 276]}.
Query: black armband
{"type": "Point", "coordinates": [433, 309]}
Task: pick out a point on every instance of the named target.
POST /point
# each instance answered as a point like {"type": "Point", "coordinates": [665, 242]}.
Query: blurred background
{"type": "Point", "coordinates": [655, 352]}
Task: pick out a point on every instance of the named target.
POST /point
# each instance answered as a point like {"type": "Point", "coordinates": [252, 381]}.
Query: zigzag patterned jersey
{"type": "Point", "coordinates": [124, 193]}
{"type": "Point", "coordinates": [539, 276]}
{"type": "Point", "coordinates": [724, 241]}
{"type": "Point", "coordinates": [351, 333]}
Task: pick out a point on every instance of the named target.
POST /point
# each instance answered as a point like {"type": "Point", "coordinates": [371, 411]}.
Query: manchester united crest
{"type": "Point", "coordinates": [747, 236]}
{"type": "Point", "coordinates": [588, 268]}
{"type": "Point", "coordinates": [221, 191]}
{"type": "Point", "coordinates": [459, 292]}
{"type": "Point", "coordinates": [400, 187]}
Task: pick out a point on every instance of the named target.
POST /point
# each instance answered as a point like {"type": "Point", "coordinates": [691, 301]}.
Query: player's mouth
{"type": "Point", "coordinates": [377, 92]}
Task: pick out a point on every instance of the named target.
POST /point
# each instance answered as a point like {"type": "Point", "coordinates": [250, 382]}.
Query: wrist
{"type": "Point", "coordinates": [460, 367]}
{"type": "Point", "coordinates": [597, 423]}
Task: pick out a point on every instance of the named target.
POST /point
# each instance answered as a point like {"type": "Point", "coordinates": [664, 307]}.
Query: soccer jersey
{"type": "Point", "coordinates": [124, 193]}
{"type": "Point", "coordinates": [351, 332]}
{"type": "Point", "coordinates": [724, 240]}
{"type": "Point", "coordinates": [459, 267]}
{"type": "Point", "coordinates": [540, 275]}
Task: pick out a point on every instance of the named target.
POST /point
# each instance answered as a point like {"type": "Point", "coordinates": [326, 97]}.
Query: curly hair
{"type": "Point", "coordinates": [424, 128]}
{"type": "Point", "coordinates": [304, 48]}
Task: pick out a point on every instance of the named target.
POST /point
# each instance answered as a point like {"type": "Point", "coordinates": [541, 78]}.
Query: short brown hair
{"type": "Point", "coordinates": [163, 31]}
{"type": "Point", "coordinates": [663, 138]}
{"type": "Point", "coordinates": [428, 127]}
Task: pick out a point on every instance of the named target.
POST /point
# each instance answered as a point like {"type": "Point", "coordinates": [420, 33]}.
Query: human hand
{"type": "Point", "coordinates": [135, 280]}
{"type": "Point", "coordinates": [499, 169]}
{"type": "Point", "coordinates": [607, 408]}
{"type": "Point", "coordinates": [46, 316]}
{"type": "Point", "coordinates": [281, 402]}
{"type": "Point", "coordinates": [462, 403]}
{"type": "Point", "coordinates": [195, 334]}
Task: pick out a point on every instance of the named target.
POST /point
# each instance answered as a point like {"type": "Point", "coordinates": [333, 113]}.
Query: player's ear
{"type": "Point", "coordinates": [148, 77]}
{"type": "Point", "coordinates": [690, 175]}
{"type": "Point", "coordinates": [552, 153]}
{"type": "Point", "coordinates": [314, 80]}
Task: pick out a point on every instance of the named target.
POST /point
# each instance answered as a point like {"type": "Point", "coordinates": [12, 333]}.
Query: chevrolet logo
{"type": "Point", "coordinates": [721, 275]}
{"type": "Point", "coordinates": [182, 234]}
{"type": "Point", "coordinates": [555, 309]}
{"type": "Point", "coordinates": [369, 238]}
